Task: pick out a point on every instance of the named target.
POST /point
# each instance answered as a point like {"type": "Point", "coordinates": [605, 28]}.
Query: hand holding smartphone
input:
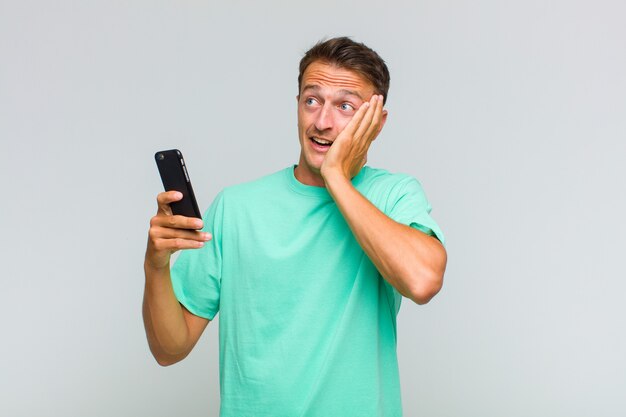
{"type": "Point", "coordinates": [175, 177]}
{"type": "Point", "coordinates": [178, 222]}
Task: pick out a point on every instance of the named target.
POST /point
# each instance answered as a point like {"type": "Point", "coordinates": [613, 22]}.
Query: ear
{"type": "Point", "coordinates": [298, 98]}
{"type": "Point", "coordinates": [382, 123]}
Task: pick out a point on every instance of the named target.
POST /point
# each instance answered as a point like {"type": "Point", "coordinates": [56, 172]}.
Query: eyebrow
{"type": "Point", "coordinates": [343, 91]}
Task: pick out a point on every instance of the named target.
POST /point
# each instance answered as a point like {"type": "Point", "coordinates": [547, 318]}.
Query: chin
{"type": "Point", "coordinates": [316, 164]}
{"type": "Point", "coordinates": [312, 165]}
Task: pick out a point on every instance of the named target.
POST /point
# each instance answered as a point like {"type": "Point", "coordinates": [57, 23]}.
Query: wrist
{"type": "Point", "coordinates": [334, 176]}
{"type": "Point", "coordinates": [337, 183]}
{"type": "Point", "coordinates": [156, 266]}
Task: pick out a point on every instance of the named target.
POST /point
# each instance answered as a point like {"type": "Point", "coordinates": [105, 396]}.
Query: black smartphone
{"type": "Point", "coordinates": [176, 178]}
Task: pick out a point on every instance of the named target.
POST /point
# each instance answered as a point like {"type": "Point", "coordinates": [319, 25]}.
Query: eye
{"type": "Point", "coordinates": [346, 107]}
{"type": "Point", "coordinates": [310, 101]}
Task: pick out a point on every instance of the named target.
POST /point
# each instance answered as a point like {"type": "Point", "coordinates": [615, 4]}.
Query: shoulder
{"type": "Point", "coordinates": [383, 180]}
{"type": "Point", "coordinates": [384, 188]}
{"type": "Point", "coordinates": [260, 187]}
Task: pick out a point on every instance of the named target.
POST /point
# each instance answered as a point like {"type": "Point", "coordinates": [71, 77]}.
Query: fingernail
{"type": "Point", "coordinates": [206, 236]}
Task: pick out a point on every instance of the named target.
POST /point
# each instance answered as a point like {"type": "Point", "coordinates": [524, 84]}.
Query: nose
{"type": "Point", "coordinates": [324, 119]}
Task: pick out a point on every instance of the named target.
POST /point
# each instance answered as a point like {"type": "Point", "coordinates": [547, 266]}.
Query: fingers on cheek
{"type": "Point", "coordinates": [364, 110]}
{"type": "Point", "coordinates": [374, 125]}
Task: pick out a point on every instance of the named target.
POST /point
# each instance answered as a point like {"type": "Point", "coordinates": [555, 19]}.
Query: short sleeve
{"type": "Point", "coordinates": [196, 274]}
{"type": "Point", "coordinates": [413, 209]}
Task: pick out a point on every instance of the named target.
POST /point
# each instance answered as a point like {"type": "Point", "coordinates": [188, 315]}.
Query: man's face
{"type": "Point", "coordinates": [328, 99]}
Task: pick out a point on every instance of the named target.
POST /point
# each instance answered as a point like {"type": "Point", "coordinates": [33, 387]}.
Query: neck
{"type": "Point", "coordinates": [308, 177]}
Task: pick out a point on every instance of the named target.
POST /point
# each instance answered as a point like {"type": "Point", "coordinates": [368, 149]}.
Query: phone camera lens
{"type": "Point", "coordinates": [160, 156]}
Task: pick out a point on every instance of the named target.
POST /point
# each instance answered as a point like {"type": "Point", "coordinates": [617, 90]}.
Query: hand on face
{"type": "Point", "coordinates": [348, 153]}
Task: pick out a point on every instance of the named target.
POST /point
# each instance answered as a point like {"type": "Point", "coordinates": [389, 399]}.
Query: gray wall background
{"type": "Point", "coordinates": [511, 113]}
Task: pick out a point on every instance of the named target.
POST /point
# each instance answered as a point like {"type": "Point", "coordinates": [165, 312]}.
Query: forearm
{"type": "Point", "coordinates": [163, 316]}
{"type": "Point", "coordinates": [408, 259]}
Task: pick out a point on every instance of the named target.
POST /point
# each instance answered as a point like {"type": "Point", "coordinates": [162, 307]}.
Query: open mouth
{"type": "Point", "coordinates": [321, 142]}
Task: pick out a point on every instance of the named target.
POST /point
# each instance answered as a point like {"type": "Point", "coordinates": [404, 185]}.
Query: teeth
{"type": "Point", "coordinates": [322, 141]}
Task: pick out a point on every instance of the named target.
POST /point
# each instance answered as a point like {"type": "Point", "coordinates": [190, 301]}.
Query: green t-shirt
{"type": "Point", "coordinates": [307, 324]}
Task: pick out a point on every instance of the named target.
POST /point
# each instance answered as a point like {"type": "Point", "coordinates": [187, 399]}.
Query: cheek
{"type": "Point", "coordinates": [341, 120]}
{"type": "Point", "coordinates": [305, 117]}
{"type": "Point", "coordinates": [303, 127]}
{"type": "Point", "coordinates": [301, 117]}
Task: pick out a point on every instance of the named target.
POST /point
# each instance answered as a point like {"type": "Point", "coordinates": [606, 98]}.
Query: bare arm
{"type": "Point", "coordinates": [411, 261]}
{"type": "Point", "coordinates": [172, 331]}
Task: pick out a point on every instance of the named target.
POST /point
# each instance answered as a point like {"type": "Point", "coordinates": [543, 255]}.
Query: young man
{"type": "Point", "coordinates": [306, 266]}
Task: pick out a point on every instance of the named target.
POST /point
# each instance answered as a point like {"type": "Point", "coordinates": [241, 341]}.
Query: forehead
{"type": "Point", "coordinates": [330, 76]}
